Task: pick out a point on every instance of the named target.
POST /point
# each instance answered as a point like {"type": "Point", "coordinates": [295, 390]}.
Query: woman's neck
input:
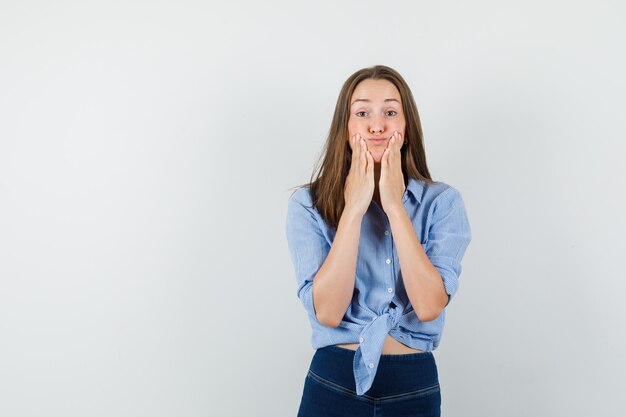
{"type": "Point", "coordinates": [376, 175]}
{"type": "Point", "coordinates": [376, 196]}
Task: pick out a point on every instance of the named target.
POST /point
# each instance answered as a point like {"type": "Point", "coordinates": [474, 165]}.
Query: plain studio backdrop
{"type": "Point", "coordinates": [146, 154]}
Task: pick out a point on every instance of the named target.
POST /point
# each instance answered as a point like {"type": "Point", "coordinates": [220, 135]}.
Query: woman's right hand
{"type": "Point", "coordinates": [359, 187]}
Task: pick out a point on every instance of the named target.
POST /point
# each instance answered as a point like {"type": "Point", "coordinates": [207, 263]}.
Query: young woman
{"type": "Point", "coordinates": [377, 247]}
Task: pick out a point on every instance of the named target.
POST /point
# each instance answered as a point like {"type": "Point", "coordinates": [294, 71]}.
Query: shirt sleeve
{"type": "Point", "coordinates": [449, 235]}
{"type": "Point", "coordinates": [307, 245]}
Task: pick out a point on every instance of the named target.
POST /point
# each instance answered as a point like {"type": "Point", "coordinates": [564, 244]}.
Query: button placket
{"type": "Point", "coordinates": [388, 260]}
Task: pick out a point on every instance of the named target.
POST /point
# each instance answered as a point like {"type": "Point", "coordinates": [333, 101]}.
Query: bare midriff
{"type": "Point", "coordinates": [390, 347]}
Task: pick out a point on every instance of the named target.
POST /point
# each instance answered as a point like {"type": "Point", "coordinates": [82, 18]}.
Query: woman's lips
{"type": "Point", "coordinates": [378, 141]}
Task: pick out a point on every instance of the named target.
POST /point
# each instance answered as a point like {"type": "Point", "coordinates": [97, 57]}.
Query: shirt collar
{"type": "Point", "coordinates": [416, 188]}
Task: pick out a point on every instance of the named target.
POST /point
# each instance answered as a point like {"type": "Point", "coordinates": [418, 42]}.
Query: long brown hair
{"type": "Point", "coordinates": [327, 189]}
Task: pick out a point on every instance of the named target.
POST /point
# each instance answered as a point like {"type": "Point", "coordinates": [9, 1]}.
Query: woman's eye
{"type": "Point", "coordinates": [392, 111]}
{"type": "Point", "coordinates": [357, 113]}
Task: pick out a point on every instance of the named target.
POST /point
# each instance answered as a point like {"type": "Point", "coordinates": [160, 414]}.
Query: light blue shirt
{"type": "Point", "coordinates": [380, 304]}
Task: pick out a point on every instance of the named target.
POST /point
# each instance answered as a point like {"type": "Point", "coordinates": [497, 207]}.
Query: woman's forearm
{"type": "Point", "coordinates": [333, 284]}
{"type": "Point", "coordinates": [422, 281]}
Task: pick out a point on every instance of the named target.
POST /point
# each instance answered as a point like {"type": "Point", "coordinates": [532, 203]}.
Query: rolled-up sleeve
{"type": "Point", "coordinates": [307, 245]}
{"type": "Point", "coordinates": [449, 235]}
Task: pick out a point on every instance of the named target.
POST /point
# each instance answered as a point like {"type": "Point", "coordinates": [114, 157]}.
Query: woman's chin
{"type": "Point", "coordinates": [377, 156]}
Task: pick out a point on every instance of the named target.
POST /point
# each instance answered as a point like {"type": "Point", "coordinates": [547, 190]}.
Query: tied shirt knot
{"type": "Point", "coordinates": [371, 340]}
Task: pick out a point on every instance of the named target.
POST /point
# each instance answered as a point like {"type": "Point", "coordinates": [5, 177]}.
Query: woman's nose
{"type": "Point", "coordinates": [377, 126]}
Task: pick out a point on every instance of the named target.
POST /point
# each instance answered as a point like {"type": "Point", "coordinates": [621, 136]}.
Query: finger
{"type": "Point", "coordinates": [370, 165]}
{"type": "Point", "coordinates": [388, 146]}
{"type": "Point", "coordinates": [391, 148]}
{"type": "Point", "coordinates": [356, 154]}
{"type": "Point", "coordinates": [384, 161]}
{"type": "Point", "coordinates": [356, 149]}
{"type": "Point", "coordinates": [363, 153]}
{"type": "Point", "coordinates": [399, 147]}
{"type": "Point", "coordinates": [391, 157]}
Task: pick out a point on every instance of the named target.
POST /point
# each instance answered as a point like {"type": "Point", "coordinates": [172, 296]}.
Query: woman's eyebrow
{"type": "Point", "coordinates": [368, 100]}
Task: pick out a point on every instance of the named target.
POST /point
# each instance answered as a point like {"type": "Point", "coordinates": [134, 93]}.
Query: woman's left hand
{"type": "Point", "coordinates": [391, 183]}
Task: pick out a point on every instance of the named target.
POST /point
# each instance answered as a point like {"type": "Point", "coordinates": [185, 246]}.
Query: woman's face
{"type": "Point", "coordinates": [375, 113]}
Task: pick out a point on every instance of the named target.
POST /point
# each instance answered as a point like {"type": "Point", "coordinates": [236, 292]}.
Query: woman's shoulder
{"type": "Point", "coordinates": [436, 189]}
{"type": "Point", "coordinates": [302, 195]}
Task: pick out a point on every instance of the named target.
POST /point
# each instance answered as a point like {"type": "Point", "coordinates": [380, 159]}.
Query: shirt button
{"type": "Point", "coordinates": [388, 261]}
{"type": "Point", "coordinates": [389, 290]}
{"type": "Point", "coordinates": [371, 365]}
{"type": "Point", "coordinates": [360, 340]}
{"type": "Point", "coordinates": [386, 232]}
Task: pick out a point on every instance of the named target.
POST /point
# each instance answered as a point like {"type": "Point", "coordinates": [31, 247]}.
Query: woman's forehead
{"type": "Point", "coordinates": [375, 90]}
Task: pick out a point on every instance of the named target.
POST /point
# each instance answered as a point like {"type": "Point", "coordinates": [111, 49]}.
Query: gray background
{"type": "Point", "coordinates": [147, 148]}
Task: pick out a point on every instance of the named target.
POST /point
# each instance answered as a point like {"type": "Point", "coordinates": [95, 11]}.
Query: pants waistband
{"type": "Point", "coordinates": [396, 373]}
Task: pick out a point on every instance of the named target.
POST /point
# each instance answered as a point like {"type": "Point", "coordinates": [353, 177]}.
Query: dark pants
{"type": "Point", "coordinates": [405, 385]}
